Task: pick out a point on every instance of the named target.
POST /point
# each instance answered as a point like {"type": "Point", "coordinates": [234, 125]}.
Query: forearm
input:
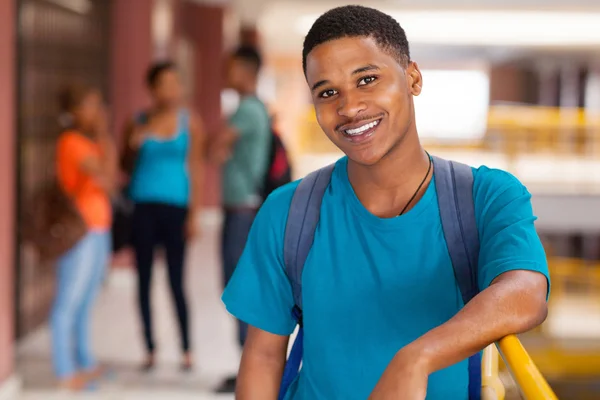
{"type": "Point", "coordinates": [111, 171]}
{"type": "Point", "coordinates": [259, 377]}
{"type": "Point", "coordinates": [221, 146]}
{"type": "Point", "coordinates": [108, 167]}
{"type": "Point", "coordinates": [515, 303]}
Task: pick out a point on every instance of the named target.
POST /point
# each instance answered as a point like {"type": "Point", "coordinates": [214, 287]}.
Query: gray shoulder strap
{"type": "Point", "coordinates": [302, 221]}
{"type": "Point", "coordinates": [454, 185]}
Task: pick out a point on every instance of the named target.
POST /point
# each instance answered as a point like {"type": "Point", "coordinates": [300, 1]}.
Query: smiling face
{"type": "Point", "coordinates": [362, 96]}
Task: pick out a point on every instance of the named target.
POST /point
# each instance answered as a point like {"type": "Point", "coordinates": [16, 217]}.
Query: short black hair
{"type": "Point", "coordinates": [249, 55]}
{"type": "Point", "coordinates": [156, 70]}
{"type": "Point", "coordinates": [354, 21]}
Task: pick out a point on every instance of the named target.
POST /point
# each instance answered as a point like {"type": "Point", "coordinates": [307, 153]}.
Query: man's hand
{"type": "Point", "coordinates": [220, 147]}
{"type": "Point", "coordinates": [405, 378]}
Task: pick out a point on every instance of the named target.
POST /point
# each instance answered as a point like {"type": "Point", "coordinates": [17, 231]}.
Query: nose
{"type": "Point", "coordinates": [351, 105]}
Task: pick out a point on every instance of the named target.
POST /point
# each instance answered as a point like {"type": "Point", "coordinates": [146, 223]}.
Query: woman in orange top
{"type": "Point", "coordinates": [86, 168]}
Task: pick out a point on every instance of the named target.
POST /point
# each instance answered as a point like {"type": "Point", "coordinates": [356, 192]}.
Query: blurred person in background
{"type": "Point", "coordinates": [163, 160]}
{"type": "Point", "coordinates": [86, 163]}
{"type": "Point", "coordinates": [243, 147]}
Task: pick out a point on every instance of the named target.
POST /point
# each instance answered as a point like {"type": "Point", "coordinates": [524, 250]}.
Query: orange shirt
{"type": "Point", "coordinates": [91, 200]}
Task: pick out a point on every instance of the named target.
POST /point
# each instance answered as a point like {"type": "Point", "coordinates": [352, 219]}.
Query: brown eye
{"type": "Point", "coordinates": [328, 93]}
{"type": "Point", "coordinates": [366, 80]}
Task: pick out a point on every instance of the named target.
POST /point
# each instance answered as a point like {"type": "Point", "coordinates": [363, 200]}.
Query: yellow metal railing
{"type": "Point", "coordinates": [522, 368]}
{"type": "Point", "coordinates": [491, 385]}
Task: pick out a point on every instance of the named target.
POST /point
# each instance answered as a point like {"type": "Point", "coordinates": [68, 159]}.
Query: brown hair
{"type": "Point", "coordinates": [72, 95]}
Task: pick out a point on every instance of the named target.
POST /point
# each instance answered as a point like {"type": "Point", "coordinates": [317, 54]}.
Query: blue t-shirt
{"type": "Point", "coordinates": [161, 170]}
{"type": "Point", "coordinates": [373, 285]}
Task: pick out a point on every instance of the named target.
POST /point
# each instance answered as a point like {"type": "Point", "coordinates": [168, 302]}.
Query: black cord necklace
{"type": "Point", "coordinates": [419, 188]}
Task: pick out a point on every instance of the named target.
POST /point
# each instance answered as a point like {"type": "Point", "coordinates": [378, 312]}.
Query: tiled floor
{"type": "Point", "coordinates": [117, 340]}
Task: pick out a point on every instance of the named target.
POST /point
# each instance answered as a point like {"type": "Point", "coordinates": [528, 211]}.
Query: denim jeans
{"type": "Point", "coordinates": [79, 278]}
{"type": "Point", "coordinates": [236, 228]}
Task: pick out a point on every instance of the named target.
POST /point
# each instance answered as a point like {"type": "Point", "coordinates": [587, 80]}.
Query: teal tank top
{"type": "Point", "coordinates": [161, 171]}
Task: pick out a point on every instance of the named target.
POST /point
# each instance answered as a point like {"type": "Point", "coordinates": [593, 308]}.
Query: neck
{"type": "Point", "coordinates": [167, 107]}
{"type": "Point", "coordinates": [386, 187]}
{"type": "Point", "coordinates": [90, 134]}
{"type": "Point", "coordinates": [248, 90]}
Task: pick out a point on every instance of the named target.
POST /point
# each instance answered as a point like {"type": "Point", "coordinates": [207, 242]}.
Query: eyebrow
{"type": "Point", "coordinates": [366, 68]}
{"type": "Point", "coordinates": [360, 70]}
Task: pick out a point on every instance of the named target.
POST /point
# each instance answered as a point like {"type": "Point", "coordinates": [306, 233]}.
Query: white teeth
{"type": "Point", "coordinates": [362, 129]}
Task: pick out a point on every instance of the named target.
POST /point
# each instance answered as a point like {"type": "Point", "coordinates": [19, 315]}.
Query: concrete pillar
{"type": "Point", "coordinates": [508, 83]}
{"type": "Point", "coordinates": [132, 52]}
{"type": "Point", "coordinates": [203, 28]}
{"type": "Point", "coordinates": [7, 186]}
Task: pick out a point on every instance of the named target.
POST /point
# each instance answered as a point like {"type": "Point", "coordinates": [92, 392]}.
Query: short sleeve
{"type": "Point", "coordinates": [508, 238]}
{"type": "Point", "coordinates": [259, 292]}
{"type": "Point", "coordinates": [248, 118]}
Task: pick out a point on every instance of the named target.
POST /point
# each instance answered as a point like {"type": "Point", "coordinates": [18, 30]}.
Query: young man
{"type": "Point", "coordinates": [383, 315]}
{"type": "Point", "coordinates": [243, 146]}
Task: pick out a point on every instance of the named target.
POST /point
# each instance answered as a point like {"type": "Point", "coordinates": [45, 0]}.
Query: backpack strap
{"type": "Point", "coordinates": [454, 186]}
{"type": "Point", "coordinates": [303, 218]}
{"type": "Point", "coordinates": [302, 221]}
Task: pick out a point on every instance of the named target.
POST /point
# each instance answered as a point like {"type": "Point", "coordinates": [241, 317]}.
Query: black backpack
{"type": "Point", "coordinates": [279, 171]}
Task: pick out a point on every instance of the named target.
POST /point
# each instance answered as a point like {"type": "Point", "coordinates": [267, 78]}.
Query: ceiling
{"type": "Point", "coordinates": [471, 4]}
{"type": "Point", "coordinates": [283, 24]}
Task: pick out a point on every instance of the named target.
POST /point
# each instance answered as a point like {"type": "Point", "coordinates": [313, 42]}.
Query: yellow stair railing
{"type": "Point", "coordinates": [532, 384]}
{"type": "Point", "coordinates": [491, 385]}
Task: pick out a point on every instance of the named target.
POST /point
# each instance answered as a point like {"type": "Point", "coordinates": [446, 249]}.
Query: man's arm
{"type": "Point", "coordinates": [515, 302]}
{"type": "Point", "coordinates": [220, 148]}
{"type": "Point", "coordinates": [513, 276]}
{"type": "Point", "coordinates": [262, 365]}
{"type": "Point", "coordinates": [247, 120]}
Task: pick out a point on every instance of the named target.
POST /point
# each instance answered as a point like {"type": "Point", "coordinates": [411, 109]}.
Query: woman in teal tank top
{"type": "Point", "coordinates": [163, 158]}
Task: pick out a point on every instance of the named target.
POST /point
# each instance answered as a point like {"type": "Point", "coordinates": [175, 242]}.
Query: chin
{"type": "Point", "coordinates": [366, 157]}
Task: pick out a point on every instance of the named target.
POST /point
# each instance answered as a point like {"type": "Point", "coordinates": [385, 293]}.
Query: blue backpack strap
{"type": "Point", "coordinates": [303, 217]}
{"type": "Point", "coordinates": [454, 186]}
{"type": "Point", "coordinates": [302, 221]}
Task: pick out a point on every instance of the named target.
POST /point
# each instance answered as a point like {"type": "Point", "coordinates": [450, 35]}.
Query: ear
{"type": "Point", "coordinates": [415, 79]}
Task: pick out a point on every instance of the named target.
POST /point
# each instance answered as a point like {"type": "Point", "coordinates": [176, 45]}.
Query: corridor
{"type": "Point", "coordinates": [118, 345]}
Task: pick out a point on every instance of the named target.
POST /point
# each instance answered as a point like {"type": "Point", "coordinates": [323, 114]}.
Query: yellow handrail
{"type": "Point", "coordinates": [491, 385]}
{"type": "Point", "coordinates": [526, 374]}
